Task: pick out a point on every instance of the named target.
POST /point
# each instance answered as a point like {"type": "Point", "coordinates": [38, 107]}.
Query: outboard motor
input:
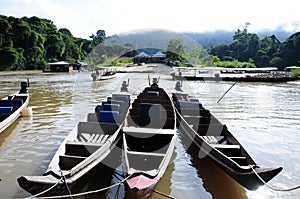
{"type": "Point", "coordinates": [24, 86]}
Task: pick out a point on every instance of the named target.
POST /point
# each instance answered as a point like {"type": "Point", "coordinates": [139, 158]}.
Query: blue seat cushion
{"type": "Point", "coordinates": [111, 107]}
{"type": "Point", "coordinates": [109, 116]}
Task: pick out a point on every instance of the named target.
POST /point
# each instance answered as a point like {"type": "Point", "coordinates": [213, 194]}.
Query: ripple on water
{"type": "Point", "coordinates": [264, 118]}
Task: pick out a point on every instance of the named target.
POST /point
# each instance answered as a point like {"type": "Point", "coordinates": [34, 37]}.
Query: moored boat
{"type": "Point", "coordinates": [85, 147]}
{"type": "Point", "coordinates": [204, 135]}
{"type": "Point", "coordinates": [149, 135]}
{"type": "Point", "coordinates": [13, 106]}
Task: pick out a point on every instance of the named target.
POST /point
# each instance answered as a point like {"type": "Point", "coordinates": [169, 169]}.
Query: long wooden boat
{"type": "Point", "coordinates": [104, 73]}
{"type": "Point", "coordinates": [13, 106]}
{"type": "Point", "coordinates": [85, 147]}
{"type": "Point", "coordinates": [149, 135]}
{"type": "Point", "coordinates": [240, 79]}
{"type": "Point", "coordinates": [204, 135]}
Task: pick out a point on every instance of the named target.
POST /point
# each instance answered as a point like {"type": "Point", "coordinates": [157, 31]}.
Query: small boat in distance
{"type": "Point", "coordinates": [204, 135]}
{"type": "Point", "coordinates": [265, 74]}
{"type": "Point", "coordinates": [14, 106]}
{"type": "Point", "coordinates": [104, 73]}
{"type": "Point", "coordinates": [86, 146]}
{"type": "Point", "coordinates": [149, 135]}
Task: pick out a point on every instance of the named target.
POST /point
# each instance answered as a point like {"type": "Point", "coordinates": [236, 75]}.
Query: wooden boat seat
{"type": "Point", "coordinates": [67, 162]}
{"type": "Point", "coordinates": [92, 117]}
{"type": "Point", "coordinates": [132, 130]}
{"type": "Point", "coordinates": [83, 149]}
{"type": "Point", "coordinates": [214, 139]}
{"type": "Point", "coordinates": [93, 138]}
{"type": "Point", "coordinates": [240, 160]}
{"type": "Point", "coordinates": [84, 144]}
{"type": "Point", "coordinates": [195, 112]}
{"type": "Point", "coordinates": [96, 128]}
{"type": "Point", "coordinates": [96, 138]}
{"type": "Point", "coordinates": [166, 113]}
{"type": "Point", "coordinates": [231, 150]}
{"type": "Point", "coordinates": [121, 97]}
{"type": "Point", "coordinates": [123, 105]}
{"type": "Point", "coordinates": [153, 101]}
{"type": "Point", "coordinates": [145, 153]}
{"type": "Point", "coordinates": [165, 123]}
{"type": "Point", "coordinates": [226, 146]}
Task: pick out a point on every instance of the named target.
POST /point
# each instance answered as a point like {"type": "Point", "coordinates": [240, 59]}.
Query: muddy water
{"type": "Point", "coordinates": [264, 117]}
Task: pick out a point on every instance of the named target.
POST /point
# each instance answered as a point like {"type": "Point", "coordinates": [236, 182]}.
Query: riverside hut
{"type": "Point", "coordinates": [62, 66]}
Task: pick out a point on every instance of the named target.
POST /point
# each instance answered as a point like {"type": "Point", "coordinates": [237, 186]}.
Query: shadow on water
{"type": "Point", "coordinates": [215, 180]}
{"type": "Point", "coordinates": [98, 178]}
{"type": "Point", "coordinates": [99, 182]}
{"type": "Point", "coordinates": [9, 133]}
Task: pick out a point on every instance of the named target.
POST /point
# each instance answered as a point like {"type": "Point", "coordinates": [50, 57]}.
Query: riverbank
{"type": "Point", "coordinates": [144, 68]}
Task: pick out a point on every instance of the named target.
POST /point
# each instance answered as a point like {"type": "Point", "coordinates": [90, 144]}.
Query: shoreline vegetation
{"type": "Point", "coordinates": [32, 43]}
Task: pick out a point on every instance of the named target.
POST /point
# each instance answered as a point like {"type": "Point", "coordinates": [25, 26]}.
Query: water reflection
{"type": "Point", "coordinates": [216, 181]}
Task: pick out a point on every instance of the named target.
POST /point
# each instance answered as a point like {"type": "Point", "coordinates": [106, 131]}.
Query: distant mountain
{"type": "Point", "coordinates": [152, 38]}
{"type": "Point", "coordinates": [157, 38]}
{"type": "Point", "coordinates": [207, 39]}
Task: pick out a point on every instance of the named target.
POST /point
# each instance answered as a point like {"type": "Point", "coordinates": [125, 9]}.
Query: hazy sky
{"type": "Point", "coordinates": [85, 17]}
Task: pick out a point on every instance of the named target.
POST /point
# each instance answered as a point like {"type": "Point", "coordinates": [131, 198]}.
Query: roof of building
{"type": "Point", "coordinates": [143, 54]}
{"type": "Point", "coordinates": [61, 63]}
{"type": "Point", "coordinates": [159, 54]}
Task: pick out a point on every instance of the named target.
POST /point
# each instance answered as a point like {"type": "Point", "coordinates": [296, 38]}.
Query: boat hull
{"type": "Point", "coordinates": [144, 189]}
{"type": "Point", "coordinates": [87, 146]}
{"type": "Point", "coordinates": [248, 175]}
{"type": "Point", "coordinates": [148, 140]}
{"type": "Point", "coordinates": [9, 120]}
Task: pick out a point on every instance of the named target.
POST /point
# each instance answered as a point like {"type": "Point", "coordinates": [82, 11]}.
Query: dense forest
{"type": "Point", "coordinates": [31, 43]}
{"type": "Point", "coordinates": [269, 51]}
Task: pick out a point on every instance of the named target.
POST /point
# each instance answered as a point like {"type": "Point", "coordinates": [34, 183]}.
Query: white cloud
{"type": "Point", "coordinates": [83, 18]}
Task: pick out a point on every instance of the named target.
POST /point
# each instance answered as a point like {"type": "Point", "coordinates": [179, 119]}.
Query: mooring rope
{"type": "Point", "coordinates": [45, 191]}
{"type": "Point", "coordinates": [79, 194]}
{"type": "Point", "coordinates": [162, 194]}
{"type": "Point", "coordinates": [65, 181]}
{"type": "Point", "coordinates": [272, 188]}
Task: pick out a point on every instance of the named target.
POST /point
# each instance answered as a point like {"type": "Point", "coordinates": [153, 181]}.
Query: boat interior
{"type": "Point", "coordinates": [10, 105]}
{"type": "Point", "coordinates": [95, 132]}
{"type": "Point", "coordinates": [210, 129]}
{"type": "Point", "coordinates": [149, 130]}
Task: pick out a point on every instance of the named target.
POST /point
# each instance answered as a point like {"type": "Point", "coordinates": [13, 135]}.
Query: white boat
{"type": "Point", "coordinates": [104, 73]}
{"type": "Point", "coordinates": [13, 106]}
{"type": "Point", "coordinates": [86, 146]}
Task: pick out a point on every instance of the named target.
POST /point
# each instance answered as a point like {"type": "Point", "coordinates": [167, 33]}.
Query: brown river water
{"type": "Point", "coordinates": [264, 117]}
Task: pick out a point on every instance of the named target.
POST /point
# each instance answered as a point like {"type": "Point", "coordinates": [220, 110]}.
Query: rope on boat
{"type": "Point", "coordinates": [162, 194]}
{"type": "Point", "coordinates": [45, 191]}
{"type": "Point", "coordinates": [65, 181]}
{"type": "Point", "coordinates": [272, 188]}
{"type": "Point", "coordinates": [80, 194]}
